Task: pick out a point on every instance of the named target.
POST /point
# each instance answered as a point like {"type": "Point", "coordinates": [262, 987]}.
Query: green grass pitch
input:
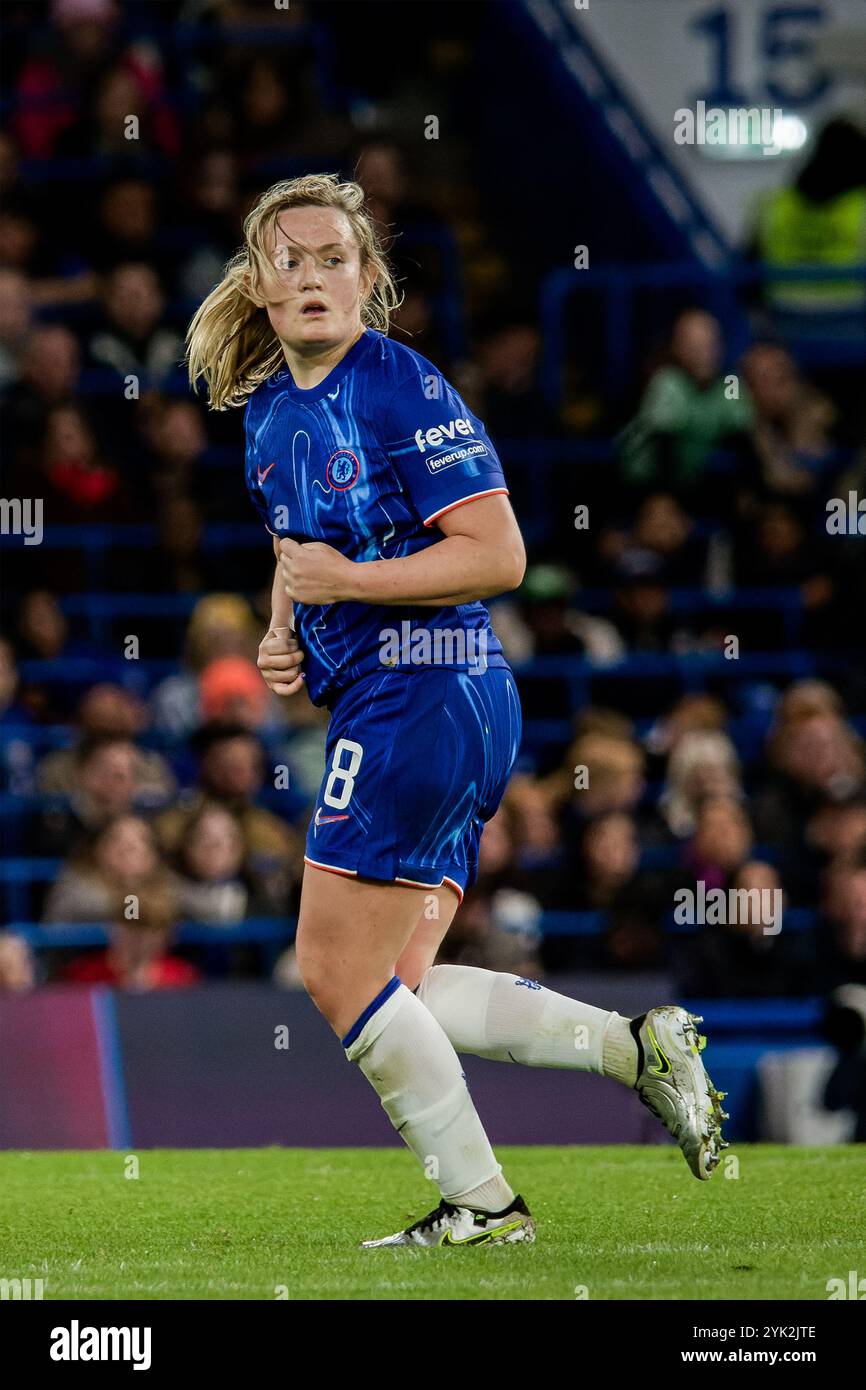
{"type": "Point", "coordinates": [619, 1222]}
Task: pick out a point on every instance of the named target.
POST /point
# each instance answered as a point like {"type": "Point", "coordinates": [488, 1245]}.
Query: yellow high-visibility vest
{"type": "Point", "coordinates": [792, 230]}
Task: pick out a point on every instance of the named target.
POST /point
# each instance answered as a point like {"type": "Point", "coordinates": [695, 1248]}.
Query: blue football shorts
{"type": "Point", "coordinates": [416, 762]}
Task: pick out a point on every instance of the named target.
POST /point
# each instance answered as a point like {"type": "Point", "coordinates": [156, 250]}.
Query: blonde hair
{"type": "Point", "coordinates": [230, 341]}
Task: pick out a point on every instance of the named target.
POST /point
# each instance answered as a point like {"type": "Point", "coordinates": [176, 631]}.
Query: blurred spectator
{"type": "Point", "coordinates": [212, 189]}
{"type": "Point", "coordinates": [643, 615]}
{"type": "Point", "coordinates": [721, 843]}
{"type": "Point", "coordinates": [116, 871]}
{"type": "Point", "coordinates": [17, 761]}
{"type": "Point", "coordinates": [502, 877]}
{"type": "Point", "coordinates": [127, 229]}
{"type": "Point", "coordinates": [545, 608]}
{"type": "Point", "coordinates": [15, 311]}
{"type": "Point", "coordinates": [543, 621]}
{"type": "Point", "coordinates": [78, 483]}
{"type": "Point", "coordinates": [537, 835]}
{"type": "Point", "coordinates": [132, 340]}
{"type": "Point", "coordinates": [17, 970]}
{"type": "Point", "coordinates": [231, 772]}
{"type": "Point", "coordinates": [210, 858]}
{"type": "Point", "coordinates": [299, 743]}
{"type": "Point", "coordinates": [843, 941]}
{"type": "Point", "coordinates": [19, 243]}
{"type": "Point", "coordinates": [104, 786]}
{"type": "Point", "coordinates": [381, 171]}
{"type": "Point", "coordinates": [556, 627]}
{"type": "Point", "coordinates": [605, 878]}
{"type": "Point", "coordinates": [661, 546]}
{"type": "Point", "coordinates": [602, 772]}
{"type": "Point", "coordinates": [42, 633]}
{"type": "Point", "coordinates": [107, 709]}
{"type": "Point", "coordinates": [138, 956]}
{"type": "Point", "coordinates": [738, 958]}
{"type": "Point", "coordinates": [54, 84]}
{"type": "Point", "coordinates": [820, 219]}
{"type": "Point", "coordinates": [101, 127]}
{"type": "Point", "coordinates": [176, 436]}
{"type": "Point", "coordinates": [511, 402]}
{"type": "Point", "coordinates": [56, 274]}
{"type": "Point", "coordinates": [13, 190]}
{"type": "Point", "coordinates": [276, 112]}
{"type": "Point", "coordinates": [180, 533]}
{"type": "Point", "coordinates": [702, 765]}
{"type": "Point", "coordinates": [816, 758]}
{"type": "Point", "coordinates": [231, 691]}
{"type": "Point", "coordinates": [686, 411]}
{"type": "Point", "coordinates": [801, 700]}
{"type": "Point", "coordinates": [220, 625]}
{"type": "Point", "coordinates": [792, 424]}
{"type": "Point", "coordinates": [838, 828]}
{"type": "Point", "coordinates": [777, 552]}
{"type": "Point", "coordinates": [698, 713]}
{"type": "Point", "coordinates": [396, 207]}
{"type": "Point", "coordinates": [48, 376]}
{"type": "Point", "coordinates": [497, 925]}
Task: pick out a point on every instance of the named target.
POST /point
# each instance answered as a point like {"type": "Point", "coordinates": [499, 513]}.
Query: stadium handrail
{"type": "Point", "coordinates": [558, 922]}
{"type": "Point", "coordinates": [82, 935]}
{"type": "Point", "coordinates": [688, 667]}
{"type": "Point", "coordinates": [683, 598]}
{"type": "Point", "coordinates": [745, 728]}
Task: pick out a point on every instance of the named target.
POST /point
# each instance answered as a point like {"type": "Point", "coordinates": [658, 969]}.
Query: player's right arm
{"type": "Point", "coordinates": [280, 656]}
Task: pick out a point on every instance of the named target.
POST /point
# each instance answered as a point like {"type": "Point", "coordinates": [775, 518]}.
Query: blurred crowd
{"type": "Point", "coordinates": [184, 796]}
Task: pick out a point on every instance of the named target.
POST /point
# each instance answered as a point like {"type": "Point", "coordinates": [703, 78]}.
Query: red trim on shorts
{"type": "Point", "coordinates": [408, 882]}
{"type": "Point", "coordinates": [331, 868]}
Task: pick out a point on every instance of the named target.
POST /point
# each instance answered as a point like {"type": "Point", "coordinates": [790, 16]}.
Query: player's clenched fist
{"type": "Point", "coordinates": [280, 660]}
{"type": "Point", "coordinates": [315, 573]}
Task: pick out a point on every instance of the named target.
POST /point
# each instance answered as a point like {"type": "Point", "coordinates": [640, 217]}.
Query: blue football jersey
{"type": "Point", "coordinates": [367, 461]}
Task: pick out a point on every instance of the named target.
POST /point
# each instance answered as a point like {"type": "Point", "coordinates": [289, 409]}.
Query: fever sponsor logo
{"type": "Point", "coordinates": [437, 435]}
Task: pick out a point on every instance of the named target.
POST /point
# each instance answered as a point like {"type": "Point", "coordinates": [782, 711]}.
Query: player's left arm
{"type": "Point", "coordinates": [480, 554]}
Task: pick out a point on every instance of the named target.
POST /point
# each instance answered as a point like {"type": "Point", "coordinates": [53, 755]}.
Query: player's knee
{"type": "Point", "coordinates": [315, 976]}
{"type": "Point", "coordinates": [323, 982]}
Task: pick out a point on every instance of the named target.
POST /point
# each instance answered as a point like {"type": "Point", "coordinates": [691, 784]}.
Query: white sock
{"type": "Point", "coordinates": [510, 1019]}
{"type": "Point", "coordinates": [407, 1058]}
{"type": "Point", "coordinates": [620, 1051]}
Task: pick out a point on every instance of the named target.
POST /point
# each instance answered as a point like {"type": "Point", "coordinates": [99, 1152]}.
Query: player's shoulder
{"type": "Point", "coordinates": [397, 364]}
{"type": "Point", "coordinates": [261, 394]}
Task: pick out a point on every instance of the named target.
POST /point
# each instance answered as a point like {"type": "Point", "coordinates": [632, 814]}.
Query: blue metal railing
{"type": "Point", "coordinates": [690, 670]}
{"type": "Point", "coordinates": [82, 935]}
{"type": "Point", "coordinates": [685, 599]}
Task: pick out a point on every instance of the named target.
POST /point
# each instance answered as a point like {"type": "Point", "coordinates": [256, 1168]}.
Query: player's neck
{"type": "Point", "coordinates": [310, 366]}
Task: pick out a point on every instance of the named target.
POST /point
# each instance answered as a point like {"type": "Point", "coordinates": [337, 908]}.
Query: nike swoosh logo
{"type": "Point", "coordinates": [326, 820]}
{"type": "Point", "coordinates": [481, 1237]}
{"type": "Point", "coordinates": [663, 1065]}
{"type": "Point", "coordinates": [262, 475]}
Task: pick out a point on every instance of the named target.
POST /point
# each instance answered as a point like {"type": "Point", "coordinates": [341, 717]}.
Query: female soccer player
{"type": "Point", "coordinates": [391, 523]}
